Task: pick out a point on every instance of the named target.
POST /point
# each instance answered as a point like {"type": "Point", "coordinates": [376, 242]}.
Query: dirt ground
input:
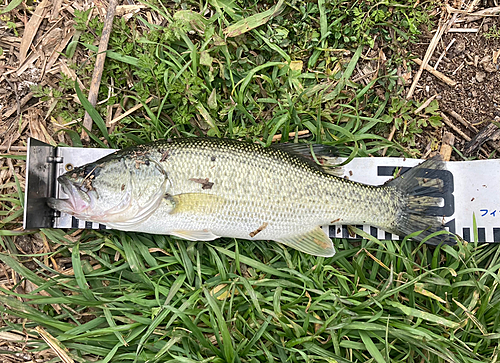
{"type": "Point", "coordinates": [471, 59]}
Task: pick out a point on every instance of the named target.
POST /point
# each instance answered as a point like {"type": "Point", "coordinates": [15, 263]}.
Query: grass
{"type": "Point", "coordinates": [142, 298]}
{"type": "Point", "coordinates": [250, 70]}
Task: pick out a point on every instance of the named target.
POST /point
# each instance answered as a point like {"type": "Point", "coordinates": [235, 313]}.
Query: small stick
{"type": "Point", "coordinates": [458, 68]}
{"type": "Point", "coordinates": [444, 53]}
{"type": "Point", "coordinates": [463, 30]}
{"type": "Point", "coordinates": [22, 102]}
{"type": "Point", "coordinates": [99, 65]}
{"type": "Point", "coordinates": [448, 122]}
{"type": "Point", "coordinates": [391, 135]}
{"type": "Point", "coordinates": [425, 104]}
{"type": "Point", "coordinates": [291, 134]}
{"type": "Point", "coordinates": [128, 112]}
{"type": "Point", "coordinates": [13, 148]}
{"type": "Point", "coordinates": [433, 44]}
{"type": "Point", "coordinates": [438, 74]}
{"type": "Point", "coordinates": [460, 119]}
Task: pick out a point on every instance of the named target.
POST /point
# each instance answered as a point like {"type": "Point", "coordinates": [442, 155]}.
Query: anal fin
{"type": "Point", "coordinates": [314, 242]}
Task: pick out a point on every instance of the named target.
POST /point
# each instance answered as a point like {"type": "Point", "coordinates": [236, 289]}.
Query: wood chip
{"type": "Point", "coordinates": [447, 146]}
{"type": "Point", "coordinates": [22, 102]}
{"type": "Point", "coordinates": [489, 133]}
{"type": "Point", "coordinates": [54, 12]}
{"type": "Point", "coordinates": [58, 50]}
{"type": "Point", "coordinates": [122, 10]}
{"type": "Point", "coordinates": [496, 54]}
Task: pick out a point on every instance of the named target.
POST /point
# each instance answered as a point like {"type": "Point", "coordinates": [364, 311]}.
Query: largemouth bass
{"type": "Point", "coordinates": [202, 189]}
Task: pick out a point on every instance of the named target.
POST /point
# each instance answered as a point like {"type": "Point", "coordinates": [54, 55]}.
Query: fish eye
{"type": "Point", "coordinates": [69, 167]}
{"type": "Point", "coordinates": [91, 169]}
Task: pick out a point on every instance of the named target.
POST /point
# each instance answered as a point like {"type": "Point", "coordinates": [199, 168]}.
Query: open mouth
{"type": "Point", "coordinates": [76, 204]}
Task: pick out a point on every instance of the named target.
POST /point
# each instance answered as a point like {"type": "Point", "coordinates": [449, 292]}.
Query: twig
{"type": "Point", "coordinates": [13, 148]}
{"type": "Point", "coordinates": [391, 135]}
{"type": "Point", "coordinates": [23, 101]}
{"type": "Point", "coordinates": [460, 119]}
{"type": "Point", "coordinates": [99, 65]}
{"type": "Point", "coordinates": [291, 134]}
{"type": "Point", "coordinates": [427, 57]}
{"type": "Point", "coordinates": [18, 102]}
{"type": "Point", "coordinates": [463, 30]}
{"type": "Point", "coordinates": [458, 68]}
{"type": "Point", "coordinates": [448, 122]}
{"type": "Point", "coordinates": [438, 74]}
{"type": "Point", "coordinates": [488, 135]}
{"type": "Point", "coordinates": [425, 104]}
{"type": "Point", "coordinates": [444, 53]}
{"type": "Point", "coordinates": [128, 112]}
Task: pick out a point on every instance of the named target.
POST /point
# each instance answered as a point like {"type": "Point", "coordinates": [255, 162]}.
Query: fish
{"type": "Point", "coordinates": [201, 189]}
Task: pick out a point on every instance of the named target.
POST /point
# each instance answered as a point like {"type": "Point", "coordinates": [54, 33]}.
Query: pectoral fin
{"type": "Point", "coordinates": [195, 235]}
{"type": "Point", "coordinates": [314, 242]}
{"type": "Point", "coordinates": [199, 203]}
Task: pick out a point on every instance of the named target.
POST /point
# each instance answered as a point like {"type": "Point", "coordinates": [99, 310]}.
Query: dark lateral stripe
{"type": "Point", "coordinates": [466, 234]}
{"type": "Point", "coordinates": [481, 234]}
{"type": "Point", "coordinates": [102, 226]}
{"type": "Point", "coordinates": [374, 232]}
{"type": "Point", "coordinates": [88, 225]}
{"type": "Point", "coordinates": [388, 235]}
{"type": "Point", "coordinates": [345, 232]}
{"type": "Point", "coordinates": [74, 222]}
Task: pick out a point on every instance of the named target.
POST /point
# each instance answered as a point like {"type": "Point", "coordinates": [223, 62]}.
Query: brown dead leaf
{"type": "Point", "coordinates": [32, 28]}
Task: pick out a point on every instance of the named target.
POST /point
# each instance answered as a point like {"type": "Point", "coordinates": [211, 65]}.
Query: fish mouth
{"type": "Point", "coordinates": [77, 203]}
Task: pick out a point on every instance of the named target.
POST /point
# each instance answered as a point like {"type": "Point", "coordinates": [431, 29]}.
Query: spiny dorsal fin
{"type": "Point", "coordinates": [326, 155]}
{"type": "Point", "coordinates": [314, 242]}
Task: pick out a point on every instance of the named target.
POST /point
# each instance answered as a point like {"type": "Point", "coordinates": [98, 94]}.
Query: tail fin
{"type": "Point", "coordinates": [423, 188]}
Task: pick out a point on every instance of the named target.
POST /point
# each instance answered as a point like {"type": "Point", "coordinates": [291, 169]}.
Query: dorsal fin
{"type": "Point", "coordinates": [325, 154]}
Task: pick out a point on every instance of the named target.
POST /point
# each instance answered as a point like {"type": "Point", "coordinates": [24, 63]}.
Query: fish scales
{"type": "Point", "coordinates": [202, 189]}
{"type": "Point", "coordinates": [259, 186]}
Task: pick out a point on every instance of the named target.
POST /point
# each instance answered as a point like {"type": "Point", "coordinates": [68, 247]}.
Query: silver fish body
{"type": "Point", "coordinates": [202, 189]}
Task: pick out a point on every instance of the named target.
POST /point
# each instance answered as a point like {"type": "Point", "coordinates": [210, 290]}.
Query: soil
{"type": "Point", "coordinates": [472, 61]}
